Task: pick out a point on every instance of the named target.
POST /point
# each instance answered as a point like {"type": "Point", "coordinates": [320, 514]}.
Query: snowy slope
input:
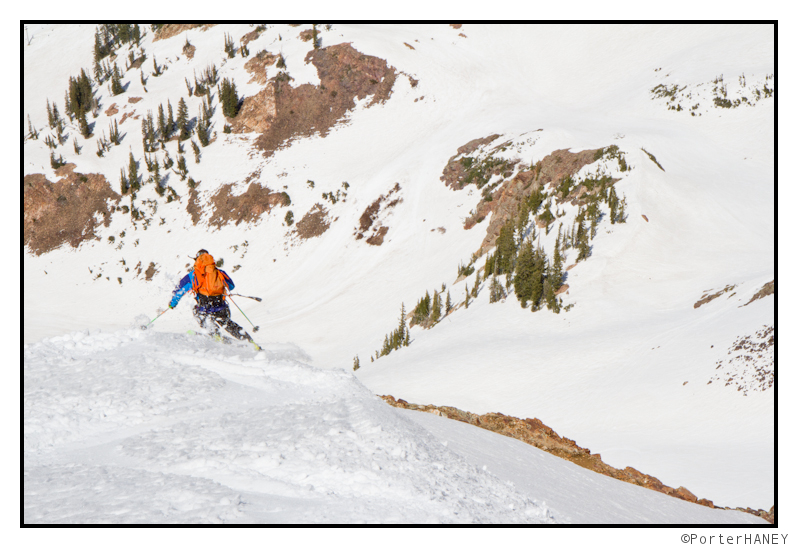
{"type": "Point", "coordinates": [148, 427]}
{"type": "Point", "coordinates": [611, 372]}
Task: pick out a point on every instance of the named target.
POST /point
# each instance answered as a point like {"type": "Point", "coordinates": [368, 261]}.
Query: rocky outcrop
{"type": "Point", "coordinates": [767, 289]}
{"type": "Point", "coordinates": [370, 227]}
{"type": "Point", "coordinates": [505, 201]}
{"type": "Point", "coordinates": [534, 432]}
{"type": "Point", "coordinates": [282, 112]}
{"type": "Point", "coordinates": [65, 211]}
{"type": "Point", "coordinates": [314, 223]}
{"type": "Point", "coordinates": [246, 207]}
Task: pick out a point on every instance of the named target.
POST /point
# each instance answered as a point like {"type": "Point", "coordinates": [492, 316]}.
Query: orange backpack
{"type": "Point", "coordinates": [207, 278]}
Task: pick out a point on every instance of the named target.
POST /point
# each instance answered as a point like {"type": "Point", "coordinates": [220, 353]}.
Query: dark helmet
{"type": "Point", "coordinates": [201, 252]}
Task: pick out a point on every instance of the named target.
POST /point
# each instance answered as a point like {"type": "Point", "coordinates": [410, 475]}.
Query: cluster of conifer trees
{"type": "Point", "coordinates": [534, 277]}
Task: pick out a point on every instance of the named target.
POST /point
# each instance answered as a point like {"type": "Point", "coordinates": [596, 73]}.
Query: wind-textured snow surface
{"type": "Point", "coordinates": [145, 427]}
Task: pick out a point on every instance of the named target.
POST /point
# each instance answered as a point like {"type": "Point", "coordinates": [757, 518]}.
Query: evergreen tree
{"type": "Point", "coordinates": [496, 290]}
{"type": "Point", "coordinates": [228, 96]}
{"type": "Point", "coordinates": [55, 163]}
{"type": "Point", "coordinates": [555, 274]}
{"type": "Point", "coordinates": [76, 147]}
{"type": "Point", "coordinates": [133, 175]}
{"type": "Point", "coordinates": [123, 181]}
{"type": "Point", "coordinates": [582, 242]}
{"type": "Point", "coordinates": [84, 125]}
{"type": "Point", "coordinates": [475, 291]}
{"type": "Point", "coordinates": [525, 283]}
{"type": "Point", "coordinates": [435, 313]}
{"type": "Point", "coordinates": [356, 364]}
{"type": "Point", "coordinates": [229, 46]}
{"type": "Point", "coordinates": [182, 170]}
{"type": "Point", "coordinates": [32, 133]}
{"type": "Point", "coordinates": [114, 133]}
{"type": "Point", "coordinates": [170, 120]}
{"type": "Point", "coordinates": [402, 324]}
{"type": "Point", "coordinates": [80, 95]}
{"type": "Point", "coordinates": [161, 122]}
{"type": "Point", "coordinates": [467, 296]}
{"type": "Point", "coordinates": [116, 81]}
{"type": "Point", "coordinates": [550, 297]}
{"type": "Point", "coordinates": [196, 149]}
{"type": "Point", "coordinates": [182, 120]}
{"type": "Point", "coordinates": [50, 118]}
{"type": "Point", "coordinates": [506, 249]}
{"type": "Point", "coordinates": [449, 304]}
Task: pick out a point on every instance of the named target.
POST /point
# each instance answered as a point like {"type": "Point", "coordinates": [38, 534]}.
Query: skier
{"type": "Point", "coordinates": [210, 285]}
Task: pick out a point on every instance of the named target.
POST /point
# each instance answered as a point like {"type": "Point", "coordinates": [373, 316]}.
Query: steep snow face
{"type": "Point", "coordinates": [147, 427]}
{"type": "Point", "coordinates": [624, 372]}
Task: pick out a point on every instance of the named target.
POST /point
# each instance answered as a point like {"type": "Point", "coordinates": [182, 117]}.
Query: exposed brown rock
{"type": "Point", "coordinates": [250, 36]}
{"type": "Point", "coordinates": [370, 215]}
{"type": "Point", "coordinates": [64, 211]}
{"type": "Point", "coordinates": [257, 67]}
{"type": "Point", "coordinates": [306, 35]}
{"type": "Point", "coordinates": [314, 223]}
{"type": "Point", "coordinates": [111, 110]}
{"type": "Point", "coordinates": [379, 237]}
{"type": "Point", "coordinates": [193, 207]}
{"type": "Point", "coordinates": [563, 289]}
{"type": "Point", "coordinates": [408, 45]}
{"type": "Point", "coordinates": [283, 112]}
{"type": "Point", "coordinates": [133, 99]}
{"type": "Point", "coordinates": [707, 298]}
{"type": "Point", "coordinates": [767, 289]}
{"type": "Point", "coordinates": [150, 272]}
{"type": "Point", "coordinates": [534, 432]}
{"type": "Point", "coordinates": [645, 218]}
{"type": "Point", "coordinates": [168, 31]}
{"type": "Point", "coordinates": [507, 198]}
{"type": "Point", "coordinates": [246, 207]}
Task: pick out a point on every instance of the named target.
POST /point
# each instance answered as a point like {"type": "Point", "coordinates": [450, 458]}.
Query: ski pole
{"type": "Point", "coordinates": [253, 298]}
{"type": "Point", "coordinates": [254, 327]}
{"type": "Point", "coordinates": [143, 327]}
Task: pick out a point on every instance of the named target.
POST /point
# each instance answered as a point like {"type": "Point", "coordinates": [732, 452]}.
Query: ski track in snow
{"type": "Point", "coordinates": [135, 427]}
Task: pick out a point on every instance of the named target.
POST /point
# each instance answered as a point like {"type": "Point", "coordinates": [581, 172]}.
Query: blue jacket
{"type": "Point", "coordinates": [186, 284]}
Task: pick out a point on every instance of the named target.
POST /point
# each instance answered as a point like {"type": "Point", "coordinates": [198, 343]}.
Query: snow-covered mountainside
{"type": "Point", "coordinates": [618, 180]}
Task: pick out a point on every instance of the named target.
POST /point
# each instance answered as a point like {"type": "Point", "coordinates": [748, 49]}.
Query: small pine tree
{"type": "Point", "coordinates": [50, 118]}
{"type": "Point", "coordinates": [229, 46]}
{"type": "Point", "coordinates": [170, 120]}
{"type": "Point", "coordinates": [182, 120]}
{"type": "Point", "coordinates": [228, 96]}
{"type": "Point", "coordinates": [356, 364]}
{"type": "Point", "coordinates": [133, 175]}
{"type": "Point", "coordinates": [85, 130]}
{"type": "Point", "coordinates": [76, 147]}
{"type": "Point", "coordinates": [555, 274]}
{"type": "Point", "coordinates": [402, 330]}
{"type": "Point", "coordinates": [32, 133]}
{"type": "Point", "coordinates": [182, 170]}
{"type": "Point", "coordinates": [449, 304]}
{"type": "Point", "coordinates": [475, 291]}
{"type": "Point", "coordinates": [116, 81]}
{"type": "Point", "coordinates": [524, 282]}
{"type": "Point", "coordinates": [467, 296]}
{"type": "Point", "coordinates": [496, 290]}
{"type": "Point", "coordinates": [114, 133]}
{"type": "Point", "coordinates": [196, 149]}
{"type": "Point", "coordinates": [435, 313]}
{"type": "Point", "coordinates": [161, 122]}
{"type": "Point", "coordinates": [123, 182]}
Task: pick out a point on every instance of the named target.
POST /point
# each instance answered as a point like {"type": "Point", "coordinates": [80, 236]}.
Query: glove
{"type": "Point", "coordinates": [171, 305]}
